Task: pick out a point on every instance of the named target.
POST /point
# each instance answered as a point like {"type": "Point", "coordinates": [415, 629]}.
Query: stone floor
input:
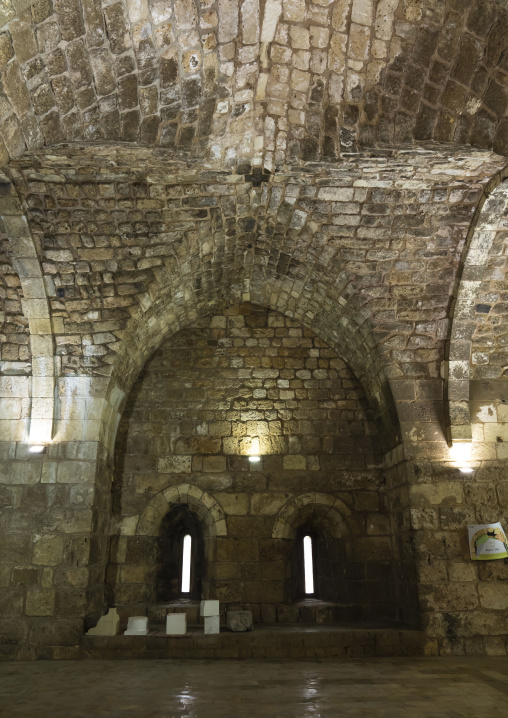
{"type": "Point", "coordinates": [388, 687]}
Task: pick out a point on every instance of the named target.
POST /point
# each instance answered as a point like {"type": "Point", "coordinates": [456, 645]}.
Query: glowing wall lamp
{"type": "Point", "coordinates": [37, 449]}
{"type": "Point", "coordinates": [254, 456]}
{"type": "Point", "coordinates": [460, 454]}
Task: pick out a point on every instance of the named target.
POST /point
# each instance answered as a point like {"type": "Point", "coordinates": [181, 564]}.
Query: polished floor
{"type": "Point", "coordinates": [388, 687]}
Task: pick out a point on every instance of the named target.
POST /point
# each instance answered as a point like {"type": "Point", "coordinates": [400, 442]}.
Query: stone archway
{"type": "Point", "coordinates": [135, 560]}
{"type": "Point", "coordinates": [337, 517]}
{"type": "Point", "coordinates": [36, 309]}
{"type": "Point", "coordinates": [205, 506]}
{"type": "Point", "coordinates": [491, 219]}
{"type": "Point", "coordinates": [345, 554]}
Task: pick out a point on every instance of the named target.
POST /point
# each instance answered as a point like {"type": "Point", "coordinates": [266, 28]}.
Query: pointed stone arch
{"type": "Point", "coordinates": [333, 513]}
{"type": "Point", "coordinates": [491, 217]}
{"type": "Point", "coordinates": [201, 503]}
{"type": "Point", "coordinates": [35, 305]}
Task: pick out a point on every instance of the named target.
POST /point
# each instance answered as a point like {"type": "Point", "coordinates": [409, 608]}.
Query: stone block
{"type": "Point", "coordinates": [238, 621]}
{"type": "Point", "coordinates": [494, 595]}
{"type": "Point", "coordinates": [494, 646]}
{"type": "Point", "coordinates": [108, 625]}
{"type": "Point", "coordinates": [235, 504]}
{"type": "Point", "coordinates": [40, 602]}
{"type": "Point", "coordinates": [176, 624]}
{"type": "Point", "coordinates": [294, 462]}
{"type": "Point", "coordinates": [214, 464]}
{"type": "Point", "coordinates": [209, 608]}
{"type": "Point", "coordinates": [137, 626]}
{"type": "Point", "coordinates": [446, 493]}
{"type": "Point", "coordinates": [212, 625]}
{"type": "Point", "coordinates": [288, 614]}
{"type": "Point", "coordinates": [48, 550]}
{"type": "Point", "coordinates": [174, 465]}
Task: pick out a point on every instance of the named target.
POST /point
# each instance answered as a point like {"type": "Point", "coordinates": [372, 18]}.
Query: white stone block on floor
{"type": "Point", "coordinates": [239, 621]}
{"type": "Point", "coordinates": [209, 608]}
{"type": "Point", "coordinates": [108, 625]}
{"type": "Point", "coordinates": [176, 624]}
{"type": "Point", "coordinates": [137, 626]}
{"type": "Point", "coordinates": [212, 625]}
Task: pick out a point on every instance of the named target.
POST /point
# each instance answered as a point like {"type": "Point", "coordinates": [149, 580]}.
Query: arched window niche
{"type": "Point", "coordinates": [353, 570]}
{"type": "Point", "coordinates": [180, 543]}
{"type": "Point", "coordinates": [316, 560]}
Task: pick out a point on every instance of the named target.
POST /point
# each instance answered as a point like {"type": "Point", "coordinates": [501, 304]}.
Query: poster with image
{"type": "Point", "coordinates": [487, 542]}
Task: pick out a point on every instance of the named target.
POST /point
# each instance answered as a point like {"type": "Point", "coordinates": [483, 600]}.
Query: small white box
{"type": "Point", "coordinates": [137, 626]}
{"type": "Point", "coordinates": [176, 624]}
{"type": "Point", "coordinates": [212, 625]}
{"type": "Point", "coordinates": [209, 608]}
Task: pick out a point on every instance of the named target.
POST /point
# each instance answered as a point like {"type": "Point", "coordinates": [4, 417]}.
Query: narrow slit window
{"type": "Point", "coordinates": [186, 563]}
{"type": "Point", "coordinates": [307, 565]}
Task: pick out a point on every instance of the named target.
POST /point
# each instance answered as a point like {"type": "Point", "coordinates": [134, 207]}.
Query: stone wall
{"type": "Point", "coordinates": [163, 161]}
{"type": "Point", "coordinates": [15, 341]}
{"type": "Point", "coordinates": [47, 550]}
{"type": "Point", "coordinates": [246, 381]}
{"type": "Point", "coordinates": [463, 603]}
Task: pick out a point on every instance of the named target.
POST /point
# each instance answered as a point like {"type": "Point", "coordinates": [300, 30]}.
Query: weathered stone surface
{"type": "Point", "coordinates": [372, 251]}
{"type": "Point", "coordinates": [238, 621]}
{"type": "Point", "coordinates": [108, 625]}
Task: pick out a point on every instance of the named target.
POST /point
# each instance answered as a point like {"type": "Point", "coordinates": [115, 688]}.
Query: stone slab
{"type": "Point", "coordinates": [212, 625]}
{"type": "Point", "coordinates": [137, 626]}
{"type": "Point", "coordinates": [176, 624]}
{"type": "Point", "coordinates": [238, 621]}
{"type": "Point", "coordinates": [108, 625]}
{"type": "Point", "coordinates": [209, 608]}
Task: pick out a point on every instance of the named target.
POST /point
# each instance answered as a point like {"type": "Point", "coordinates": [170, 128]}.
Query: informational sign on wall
{"type": "Point", "coordinates": [487, 542]}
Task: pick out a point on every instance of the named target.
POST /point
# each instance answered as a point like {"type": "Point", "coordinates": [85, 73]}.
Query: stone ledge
{"type": "Point", "coordinates": [295, 642]}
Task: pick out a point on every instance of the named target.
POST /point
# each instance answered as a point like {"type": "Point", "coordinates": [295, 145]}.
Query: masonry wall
{"type": "Point", "coordinates": [463, 603]}
{"type": "Point", "coordinates": [49, 551]}
{"type": "Point", "coordinates": [245, 381]}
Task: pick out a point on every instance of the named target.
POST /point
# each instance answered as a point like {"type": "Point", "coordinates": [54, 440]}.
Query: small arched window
{"type": "Point", "coordinates": [308, 566]}
{"type": "Point", "coordinates": [180, 556]}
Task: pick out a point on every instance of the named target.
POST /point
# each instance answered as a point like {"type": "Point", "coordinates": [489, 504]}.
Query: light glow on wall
{"type": "Point", "coordinates": [307, 565]}
{"type": "Point", "coordinates": [254, 450]}
{"type": "Point", "coordinates": [460, 454]}
{"type": "Point", "coordinates": [37, 449]}
{"type": "Point", "coordinates": [186, 563]}
{"type": "Point", "coordinates": [460, 451]}
{"type": "Point", "coordinates": [254, 446]}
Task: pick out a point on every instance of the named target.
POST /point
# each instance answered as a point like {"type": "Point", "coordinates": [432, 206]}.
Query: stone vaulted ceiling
{"type": "Point", "coordinates": [243, 80]}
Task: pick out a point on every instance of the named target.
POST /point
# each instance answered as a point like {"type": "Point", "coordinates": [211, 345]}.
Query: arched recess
{"type": "Point", "coordinates": [205, 506]}
{"type": "Point", "coordinates": [135, 560]}
{"type": "Point", "coordinates": [170, 311]}
{"type": "Point", "coordinates": [333, 513]}
{"type": "Point", "coordinates": [350, 569]}
{"type": "Point", "coordinates": [36, 309]}
{"type": "Point", "coordinates": [491, 217]}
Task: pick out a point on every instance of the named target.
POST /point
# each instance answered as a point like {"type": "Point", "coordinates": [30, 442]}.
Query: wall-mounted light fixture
{"type": "Point", "coordinates": [37, 449]}
{"type": "Point", "coordinates": [460, 454]}
{"type": "Point", "coordinates": [254, 456]}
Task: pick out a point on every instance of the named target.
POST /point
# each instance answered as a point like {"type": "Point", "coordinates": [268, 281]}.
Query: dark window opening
{"type": "Point", "coordinates": [180, 556]}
